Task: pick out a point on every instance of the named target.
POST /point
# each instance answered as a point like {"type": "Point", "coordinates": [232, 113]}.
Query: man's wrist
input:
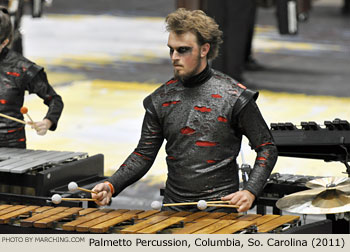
{"type": "Point", "coordinates": [111, 187]}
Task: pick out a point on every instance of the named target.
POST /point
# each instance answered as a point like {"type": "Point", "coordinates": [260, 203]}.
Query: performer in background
{"type": "Point", "coordinates": [18, 74]}
{"type": "Point", "coordinates": [237, 21]}
{"type": "Point", "coordinates": [203, 114]}
{"type": "Point", "coordinates": [16, 10]}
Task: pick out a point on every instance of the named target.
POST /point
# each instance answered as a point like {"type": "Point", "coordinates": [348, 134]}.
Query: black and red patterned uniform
{"type": "Point", "coordinates": [203, 121]}
{"type": "Point", "coordinates": [17, 74]}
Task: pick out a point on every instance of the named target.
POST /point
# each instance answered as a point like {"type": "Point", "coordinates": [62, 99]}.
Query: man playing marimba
{"type": "Point", "coordinates": [202, 114]}
{"type": "Point", "coordinates": [18, 74]}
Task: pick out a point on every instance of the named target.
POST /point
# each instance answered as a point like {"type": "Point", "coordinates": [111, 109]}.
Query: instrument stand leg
{"type": "Point", "coordinates": [339, 226]}
{"type": "Point", "coordinates": [261, 209]}
{"type": "Point", "coordinates": [304, 218]}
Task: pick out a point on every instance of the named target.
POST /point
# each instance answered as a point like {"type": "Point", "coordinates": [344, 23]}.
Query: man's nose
{"type": "Point", "coordinates": [175, 55]}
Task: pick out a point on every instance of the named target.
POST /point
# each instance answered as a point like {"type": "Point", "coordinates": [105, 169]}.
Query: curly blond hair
{"type": "Point", "coordinates": [196, 21]}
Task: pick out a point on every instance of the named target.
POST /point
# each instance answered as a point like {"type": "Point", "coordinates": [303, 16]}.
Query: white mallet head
{"type": "Point", "coordinates": [72, 186]}
{"type": "Point", "coordinates": [56, 199]}
{"type": "Point", "coordinates": [202, 204]}
{"type": "Point", "coordinates": [156, 205]}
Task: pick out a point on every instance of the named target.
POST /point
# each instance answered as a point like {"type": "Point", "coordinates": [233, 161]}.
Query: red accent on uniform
{"type": "Point", "coordinates": [171, 82]}
{"type": "Point", "coordinates": [268, 143]}
{"type": "Point", "coordinates": [202, 109]}
{"type": "Point", "coordinates": [2, 101]}
{"type": "Point", "coordinates": [261, 158]}
{"type": "Point", "coordinates": [123, 165]}
{"type": "Point", "coordinates": [166, 104]}
{"type": "Point", "coordinates": [211, 161]}
{"type": "Point", "coordinates": [148, 143]}
{"type": "Point", "coordinates": [171, 157]}
{"type": "Point", "coordinates": [241, 86]}
{"type": "Point", "coordinates": [136, 153]}
{"type": "Point", "coordinates": [222, 119]}
{"type": "Point", "coordinates": [187, 131]}
{"type": "Point", "coordinates": [262, 165]}
{"type": "Point", "coordinates": [206, 143]}
{"type": "Point", "coordinates": [218, 76]}
{"type": "Point", "coordinates": [216, 96]}
{"type": "Point", "coordinates": [21, 140]}
{"type": "Point", "coordinates": [14, 130]}
{"type": "Point", "coordinates": [13, 74]}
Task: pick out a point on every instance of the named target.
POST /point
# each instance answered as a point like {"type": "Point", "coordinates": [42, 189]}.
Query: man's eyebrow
{"type": "Point", "coordinates": [176, 48]}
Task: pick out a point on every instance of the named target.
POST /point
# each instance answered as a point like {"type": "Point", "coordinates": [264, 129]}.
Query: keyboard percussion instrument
{"type": "Point", "coordinates": [49, 219]}
{"type": "Point", "coordinates": [330, 142]}
{"type": "Point", "coordinates": [37, 172]}
{"type": "Point", "coordinates": [303, 194]}
{"type": "Point", "coordinates": [46, 171]}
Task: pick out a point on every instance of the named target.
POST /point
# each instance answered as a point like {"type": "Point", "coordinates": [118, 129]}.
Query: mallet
{"type": "Point", "coordinates": [56, 199]}
{"type": "Point", "coordinates": [72, 186]}
{"type": "Point", "coordinates": [24, 111]}
{"type": "Point", "coordinates": [200, 204]}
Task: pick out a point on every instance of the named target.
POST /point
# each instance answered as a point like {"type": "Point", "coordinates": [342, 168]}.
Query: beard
{"type": "Point", "coordinates": [186, 76]}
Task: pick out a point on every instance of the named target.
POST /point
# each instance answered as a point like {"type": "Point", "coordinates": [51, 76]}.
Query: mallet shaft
{"type": "Point", "coordinates": [194, 203]}
{"type": "Point", "coordinates": [86, 190]}
{"type": "Point", "coordinates": [77, 199]}
{"type": "Point", "coordinates": [222, 205]}
{"type": "Point", "coordinates": [12, 118]}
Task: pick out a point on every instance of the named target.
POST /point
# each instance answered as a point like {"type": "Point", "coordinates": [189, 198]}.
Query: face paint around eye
{"type": "Point", "coordinates": [184, 49]}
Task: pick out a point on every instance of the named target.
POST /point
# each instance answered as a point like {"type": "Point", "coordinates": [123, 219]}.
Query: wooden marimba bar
{"type": "Point", "coordinates": [94, 220]}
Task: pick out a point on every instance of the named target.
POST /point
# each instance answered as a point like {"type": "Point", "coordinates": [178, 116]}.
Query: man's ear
{"type": "Point", "coordinates": [205, 49]}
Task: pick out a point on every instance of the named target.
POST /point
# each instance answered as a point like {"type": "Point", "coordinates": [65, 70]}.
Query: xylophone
{"type": "Point", "coordinates": [36, 172]}
{"type": "Point", "coordinates": [309, 140]}
{"type": "Point", "coordinates": [46, 219]}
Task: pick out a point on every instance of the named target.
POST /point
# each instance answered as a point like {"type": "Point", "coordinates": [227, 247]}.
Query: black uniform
{"type": "Point", "coordinates": [17, 74]}
{"type": "Point", "coordinates": [203, 121]}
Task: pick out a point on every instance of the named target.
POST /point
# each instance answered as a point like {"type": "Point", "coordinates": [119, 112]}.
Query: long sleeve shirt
{"type": "Point", "coordinates": [17, 75]}
{"type": "Point", "coordinates": [202, 121]}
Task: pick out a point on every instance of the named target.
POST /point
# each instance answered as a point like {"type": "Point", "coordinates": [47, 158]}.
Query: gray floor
{"type": "Point", "coordinates": [323, 71]}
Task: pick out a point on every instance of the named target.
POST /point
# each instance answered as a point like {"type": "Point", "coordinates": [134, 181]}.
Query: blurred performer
{"type": "Point", "coordinates": [346, 7]}
{"type": "Point", "coordinates": [18, 74]}
{"type": "Point", "coordinates": [202, 113]}
{"type": "Point", "coordinates": [16, 10]}
{"type": "Point", "coordinates": [237, 20]}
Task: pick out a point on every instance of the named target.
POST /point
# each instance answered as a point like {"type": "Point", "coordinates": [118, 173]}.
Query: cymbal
{"type": "Point", "coordinates": [327, 196]}
{"type": "Point", "coordinates": [327, 182]}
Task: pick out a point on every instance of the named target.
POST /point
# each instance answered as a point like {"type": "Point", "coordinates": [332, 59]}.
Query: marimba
{"type": "Point", "coordinates": [93, 220]}
{"type": "Point", "coordinates": [36, 172]}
